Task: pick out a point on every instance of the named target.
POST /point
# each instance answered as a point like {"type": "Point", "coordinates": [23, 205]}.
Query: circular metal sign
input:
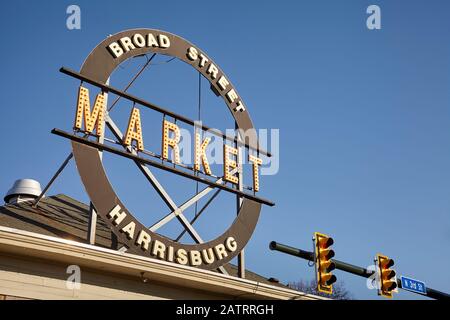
{"type": "Point", "coordinates": [139, 239]}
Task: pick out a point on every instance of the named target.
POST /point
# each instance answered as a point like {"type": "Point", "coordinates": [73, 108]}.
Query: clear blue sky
{"type": "Point", "coordinates": [364, 117]}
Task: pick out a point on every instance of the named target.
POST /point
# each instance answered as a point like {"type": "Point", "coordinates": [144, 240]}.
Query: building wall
{"type": "Point", "coordinates": [42, 279]}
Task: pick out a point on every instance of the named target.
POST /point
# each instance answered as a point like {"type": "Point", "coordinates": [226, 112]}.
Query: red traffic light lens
{"type": "Point", "coordinates": [325, 242]}
{"type": "Point", "coordinates": [386, 263]}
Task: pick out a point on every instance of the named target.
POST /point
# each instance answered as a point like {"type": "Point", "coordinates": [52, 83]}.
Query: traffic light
{"type": "Point", "coordinates": [324, 265]}
{"type": "Point", "coordinates": [387, 276]}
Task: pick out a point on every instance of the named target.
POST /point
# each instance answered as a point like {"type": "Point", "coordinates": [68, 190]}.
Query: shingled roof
{"type": "Point", "coordinates": [64, 217]}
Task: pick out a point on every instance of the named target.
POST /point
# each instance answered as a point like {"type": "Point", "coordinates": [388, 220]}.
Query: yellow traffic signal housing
{"type": "Point", "coordinates": [387, 276]}
{"type": "Point", "coordinates": [324, 265]}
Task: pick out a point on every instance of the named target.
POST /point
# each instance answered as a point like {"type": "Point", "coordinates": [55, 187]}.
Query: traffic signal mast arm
{"type": "Point", "coordinates": [347, 267]}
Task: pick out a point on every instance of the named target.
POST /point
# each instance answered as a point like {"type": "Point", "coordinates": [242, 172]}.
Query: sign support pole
{"type": "Point", "coordinates": [241, 255]}
{"type": "Point", "coordinates": [92, 225]}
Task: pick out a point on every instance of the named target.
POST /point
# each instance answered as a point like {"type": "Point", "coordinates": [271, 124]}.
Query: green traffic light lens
{"type": "Point", "coordinates": [331, 280]}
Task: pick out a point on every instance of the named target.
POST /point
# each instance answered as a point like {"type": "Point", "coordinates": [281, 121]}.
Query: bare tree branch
{"type": "Point", "coordinates": [339, 290]}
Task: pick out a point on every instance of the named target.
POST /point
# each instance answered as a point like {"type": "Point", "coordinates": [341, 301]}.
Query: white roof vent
{"type": "Point", "coordinates": [23, 190]}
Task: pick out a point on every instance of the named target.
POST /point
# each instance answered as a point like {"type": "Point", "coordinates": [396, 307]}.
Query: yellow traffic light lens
{"type": "Point", "coordinates": [388, 274]}
{"type": "Point", "coordinates": [326, 254]}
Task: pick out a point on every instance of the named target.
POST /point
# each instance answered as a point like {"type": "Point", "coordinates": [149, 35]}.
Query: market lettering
{"type": "Point", "coordinates": [168, 128]}
{"type": "Point", "coordinates": [194, 55]}
{"type": "Point", "coordinates": [137, 41]}
{"type": "Point", "coordinates": [155, 248]}
{"type": "Point", "coordinates": [200, 154]}
{"type": "Point", "coordinates": [171, 135]}
{"type": "Point", "coordinates": [229, 163]}
{"type": "Point", "coordinates": [92, 120]}
{"type": "Point", "coordinates": [256, 163]}
{"type": "Point", "coordinates": [134, 130]}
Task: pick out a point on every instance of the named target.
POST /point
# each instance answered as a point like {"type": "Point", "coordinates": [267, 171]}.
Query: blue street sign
{"type": "Point", "coordinates": [413, 285]}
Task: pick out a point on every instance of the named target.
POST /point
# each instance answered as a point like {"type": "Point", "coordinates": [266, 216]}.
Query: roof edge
{"type": "Point", "coordinates": [41, 246]}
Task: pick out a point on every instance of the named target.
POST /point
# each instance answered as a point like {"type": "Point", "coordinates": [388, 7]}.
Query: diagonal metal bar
{"type": "Point", "coordinates": [155, 183]}
{"type": "Point", "coordinates": [185, 205]}
{"type": "Point", "coordinates": [61, 168]}
{"type": "Point", "coordinates": [197, 215]}
{"type": "Point", "coordinates": [133, 80]}
{"type": "Point", "coordinates": [145, 170]}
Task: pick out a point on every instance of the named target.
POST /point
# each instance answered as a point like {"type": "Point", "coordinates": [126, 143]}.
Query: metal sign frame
{"type": "Point", "coordinates": [96, 70]}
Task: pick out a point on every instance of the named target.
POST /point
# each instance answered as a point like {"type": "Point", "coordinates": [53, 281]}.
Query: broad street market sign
{"type": "Point", "coordinates": [91, 119]}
